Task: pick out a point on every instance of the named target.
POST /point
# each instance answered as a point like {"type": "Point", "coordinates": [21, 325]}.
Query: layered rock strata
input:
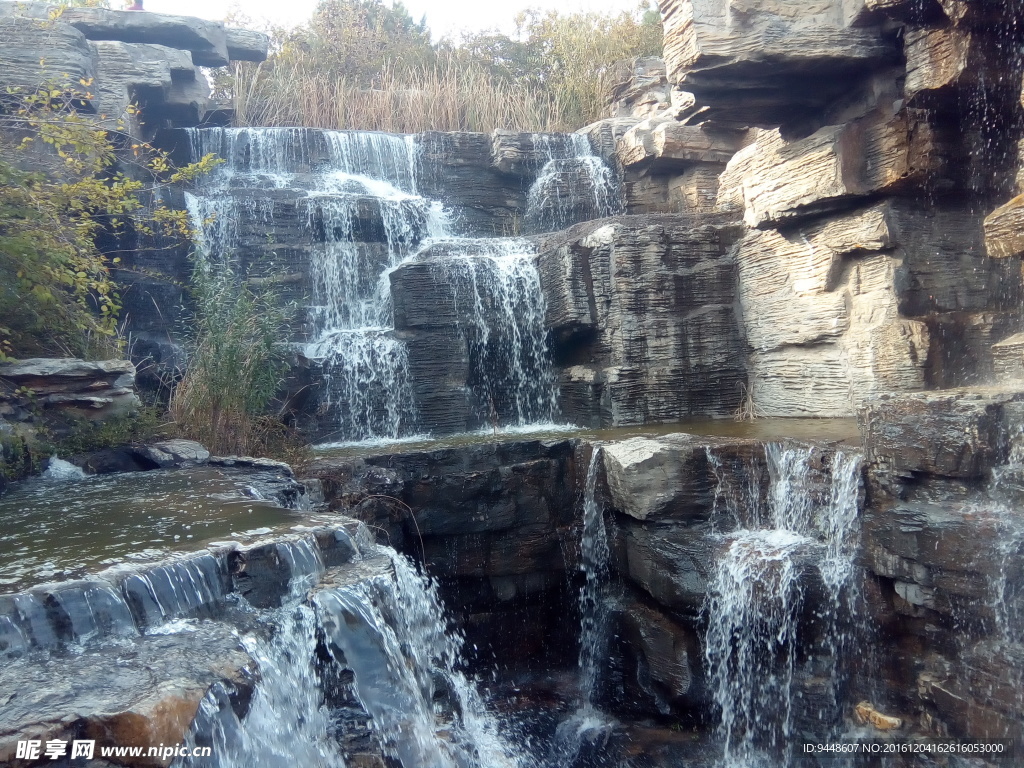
{"type": "Point", "coordinates": [642, 317]}
{"type": "Point", "coordinates": [150, 60]}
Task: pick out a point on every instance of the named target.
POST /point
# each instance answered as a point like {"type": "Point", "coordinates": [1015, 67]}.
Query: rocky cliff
{"type": "Point", "coordinates": [149, 60]}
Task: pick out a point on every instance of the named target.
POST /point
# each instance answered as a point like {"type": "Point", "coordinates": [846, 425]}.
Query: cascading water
{"type": "Point", "coordinates": [569, 189]}
{"type": "Point", "coordinates": [588, 723]}
{"type": "Point", "coordinates": [389, 629]}
{"type": "Point", "coordinates": [594, 556]}
{"type": "Point", "coordinates": [496, 286]}
{"type": "Point", "coordinates": [353, 198]}
{"type": "Point", "coordinates": [756, 598]}
{"type": "Point", "coordinates": [391, 633]}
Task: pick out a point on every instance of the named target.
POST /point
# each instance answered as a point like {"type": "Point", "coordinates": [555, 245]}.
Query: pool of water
{"type": "Point", "coordinates": [842, 430]}
{"type": "Point", "coordinates": [59, 529]}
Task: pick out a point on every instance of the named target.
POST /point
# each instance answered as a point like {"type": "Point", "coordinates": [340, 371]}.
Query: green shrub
{"type": "Point", "coordinates": [56, 294]}
{"type": "Point", "coordinates": [235, 363]}
{"type": "Point", "coordinates": [84, 436]}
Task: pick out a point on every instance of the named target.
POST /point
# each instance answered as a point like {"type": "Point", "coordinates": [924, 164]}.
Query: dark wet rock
{"type": "Point", "coordinates": [524, 154]}
{"type": "Point", "coordinates": [492, 522]}
{"type": "Point", "coordinates": [484, 510]}
{"type": "Point", "coordinates": [943, 559]}
{"type": "Point", "coordinates": [952, 433]}
{"type": "Point", "coordinates": [150, 701]}
{"type": "Point", "coordinates": [458, 169]}
{"type": "Point", "coordinates": [673, 565]}
{"type": "Point", "coordinates": [667, 654]}
{"type": "Point", "coordinates": [976, 695]}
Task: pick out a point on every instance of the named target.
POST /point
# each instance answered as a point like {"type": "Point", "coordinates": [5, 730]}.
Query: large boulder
{"type": "Point", "coordinates": [163, 80]}
{"type": "Point", "coordinates": [668, 145]}
{"type": "Point", "coordinates": [96, 390]}
{"type": "Point", "coordinates": [33, 51]}
{"type": "Point", "coordinates": [768, 63]}
{"type": "Point", "coordinates": [640, 89]}
{"type": "Point", "coordinates": [641, 311]}
{"type": "Point", "coordinates": [776, 182]}
{"type": "Point", "coordinates": [950, 433]}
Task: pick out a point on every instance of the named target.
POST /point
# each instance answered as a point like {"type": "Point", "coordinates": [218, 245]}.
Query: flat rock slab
{"type": "Point", "coordinates": [207, 40]}
{"type": "Point", "coordinates": [961, 433]}
{"type": "Point", "coordinates": [143, 692]}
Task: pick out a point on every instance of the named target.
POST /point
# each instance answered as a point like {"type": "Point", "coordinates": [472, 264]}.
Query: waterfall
{"type": "Point", "coordinates": [287, 722]}
{"type": "Point", "coordinates": [389, 630]}
{"type": "Point", "coordinates": [349, 202]}
{"type": "Point", "coordinates": [496, 286]}
{"type": "Point", "coordinates": [588, 724]}
{"type": "Point", "coordinates": [757, 594]}
{"type": "Point", "coordinates": [354, 200]}
{"type": "Point", "coordinates": [391, 633]}
{"type": "Point", "coordinates": [594, 555]}
{"type": "Point", "coordinates": [578, 186]}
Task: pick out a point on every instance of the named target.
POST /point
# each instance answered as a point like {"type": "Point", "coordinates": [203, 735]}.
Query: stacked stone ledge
{"type": "Point", "coordinates": [152, 60]}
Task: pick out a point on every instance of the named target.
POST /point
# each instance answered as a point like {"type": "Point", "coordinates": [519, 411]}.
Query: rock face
{"type": "Point", "coordinates": [859, 299]}
{"type": "Point", "coordinates": [148, 59]}
{"type": "Point", "coordinates": [641, 311]}
{"type": "Point", "coordinates": [493, 523]}
{"type": "Point", "coordinates": [765, 64]}
{"type": "Point", "coordinates": [24, 39]}
{"type": "Point", "coordinates": [950, 433]}
{"type": "Point", "coordinates": [640, 90]}
{"type": "Point", "coordinates": [71, 387]}
{"type": "Point", "coordinates": [1003, 229]}
{"type": "Point", "coordinates": [945, 552]}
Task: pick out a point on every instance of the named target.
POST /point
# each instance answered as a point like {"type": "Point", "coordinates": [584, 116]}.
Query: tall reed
{"type": "Point", "coordinates": [235, 365]}
{"type": "Point", "coordinates": [447, 96]}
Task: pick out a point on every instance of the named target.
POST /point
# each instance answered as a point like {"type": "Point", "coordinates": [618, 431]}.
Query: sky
{"type": "Point", "coordinates": [445, 18]}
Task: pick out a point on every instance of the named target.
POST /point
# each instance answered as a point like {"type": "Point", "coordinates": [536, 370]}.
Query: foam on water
{"type": "Point", "coordinates": [756, 598]}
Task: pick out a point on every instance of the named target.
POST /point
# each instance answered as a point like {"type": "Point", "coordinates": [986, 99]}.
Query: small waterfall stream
{"type": "Point", "coordinates": [389, 630]}
{"type": "Point", "coordinates": [354, 198]}
{"type": "Point", "coordinates": [570, 189]}
{"type": "Point", "coordinates": [393, 634]}
{"type": "Point", "coordinates": [756, 600]}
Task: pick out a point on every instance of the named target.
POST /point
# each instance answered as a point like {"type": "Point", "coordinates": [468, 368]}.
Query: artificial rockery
{"type": "Point", "coordinates": [807, 209]}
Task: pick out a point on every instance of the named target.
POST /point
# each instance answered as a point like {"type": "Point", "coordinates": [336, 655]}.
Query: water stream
{"type": "Point", "coordinates": [349, 203]}
{"type": "Point", "coordinates": [755, 645]}
{"type": "Point", "coordinates": [588, 724]}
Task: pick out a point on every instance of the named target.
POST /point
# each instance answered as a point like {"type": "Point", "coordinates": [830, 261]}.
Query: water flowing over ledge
{"type": "Point", "coordinates": [355, 198]}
